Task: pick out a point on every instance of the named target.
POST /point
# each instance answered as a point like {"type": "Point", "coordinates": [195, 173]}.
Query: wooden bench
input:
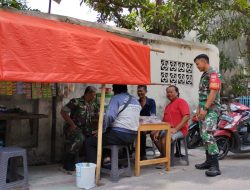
{"type": "Point", "coordinates": [166, 159]}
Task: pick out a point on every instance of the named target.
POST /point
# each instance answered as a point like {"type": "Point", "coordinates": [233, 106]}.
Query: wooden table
{"type": "Point", "coordinates": [166, 159]}
{"type": "Point", "coordinates": [33, 123]}
{"type": "Point", "coordinates": [18, 116]}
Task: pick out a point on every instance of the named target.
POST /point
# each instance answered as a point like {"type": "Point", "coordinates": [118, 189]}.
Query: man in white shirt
{"type": "Point", "coordinates": [120, 124]}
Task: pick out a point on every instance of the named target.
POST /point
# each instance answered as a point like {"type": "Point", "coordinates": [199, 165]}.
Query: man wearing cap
{"type": "Point", "coordinates": [207, 113]}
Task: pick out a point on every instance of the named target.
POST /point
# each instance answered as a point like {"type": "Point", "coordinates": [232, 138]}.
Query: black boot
{"type": "Point", "coordinates": [206, 164]}
{"type": "Point", "coordinates": [214, 170]}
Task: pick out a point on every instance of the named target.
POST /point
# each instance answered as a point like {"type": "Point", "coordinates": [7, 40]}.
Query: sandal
{"type": "Point", "coordinates": [160, 166]}
{"type": "Point", "coordinates": [106, 160]}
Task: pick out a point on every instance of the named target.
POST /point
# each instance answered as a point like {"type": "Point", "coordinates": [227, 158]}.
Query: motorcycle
{"type": "Point", "coordinates": [194, 139]}
{"type": "Point", "coordinates": [233, 133]}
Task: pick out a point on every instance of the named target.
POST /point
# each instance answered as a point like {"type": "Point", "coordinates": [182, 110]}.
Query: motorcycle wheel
{"type": "Point", "coordinates": [223, 146]}
{"type": "Point", "coordinates": [193, 139]}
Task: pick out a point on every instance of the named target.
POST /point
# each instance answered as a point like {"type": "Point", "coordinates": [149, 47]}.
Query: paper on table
{"type": "Point", "coordinates": [149, 119]}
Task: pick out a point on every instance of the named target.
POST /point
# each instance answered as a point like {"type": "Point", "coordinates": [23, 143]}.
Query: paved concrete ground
{"type": "Point", "coordinates": [235, 175]}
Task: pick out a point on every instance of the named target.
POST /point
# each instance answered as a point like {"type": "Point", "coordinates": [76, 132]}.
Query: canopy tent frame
{"type": "Point", "coordinates": [26, 55]}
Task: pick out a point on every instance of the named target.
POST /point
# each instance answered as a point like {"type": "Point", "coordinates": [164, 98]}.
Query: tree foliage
{"type": "Point", "coordinates": [172, 18]}
{"type": "Point", "coordinates": [18, 4]}
{"type": "Point", "coordinates": [226, 64]}
{"type": "Point", "coordinates": [213, 20]}
{"type": "Point", "coordinates": [239, 83]}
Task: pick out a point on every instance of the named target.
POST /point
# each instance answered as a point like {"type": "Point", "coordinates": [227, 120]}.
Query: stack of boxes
{"type": "Point", "coordinates": [7, 88]}
{"type": "Point", "coordinates": [30, 90]}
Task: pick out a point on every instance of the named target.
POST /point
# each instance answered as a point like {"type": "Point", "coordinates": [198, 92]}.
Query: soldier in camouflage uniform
{"type": "Point", "coordinates": [81, 116]}
{"type": "Point", "coordinates": [207, 113]}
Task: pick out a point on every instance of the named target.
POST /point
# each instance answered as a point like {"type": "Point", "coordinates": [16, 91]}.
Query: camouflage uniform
{"type": "Point", "coordinates": [85, 116]}
{"type": "Point", "coordinates": [209, 80]}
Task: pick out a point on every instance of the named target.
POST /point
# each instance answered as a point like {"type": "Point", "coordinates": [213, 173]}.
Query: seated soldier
{"type": "Point", "coordinates": [80, 115]}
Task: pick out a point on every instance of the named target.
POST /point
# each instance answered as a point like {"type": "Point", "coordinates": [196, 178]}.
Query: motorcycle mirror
{"type": "Point", "coordinates": [223, 107]}
{"type": "Point", "coordinates": [234, 107]}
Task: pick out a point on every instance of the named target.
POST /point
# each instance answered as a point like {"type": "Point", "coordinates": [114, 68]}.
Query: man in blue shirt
{"type": "Point", "coordinates": [120, 123]}
{"type": "Point", "coordinates": [148, 109]}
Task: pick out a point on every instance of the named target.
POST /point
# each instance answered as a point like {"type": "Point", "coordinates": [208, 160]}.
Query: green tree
{"type": "Point", "coordinates": [172, 18]}
{"type": "Point", "coordinates": [239, 83]}
{"type": "Point", "coordinates": [18, 4]}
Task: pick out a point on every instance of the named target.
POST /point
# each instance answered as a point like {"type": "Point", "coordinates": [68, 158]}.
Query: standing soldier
{"type": "Point", "coordinates": [207, 113]}
{"type": "Point", "coordinates": [81, 116]}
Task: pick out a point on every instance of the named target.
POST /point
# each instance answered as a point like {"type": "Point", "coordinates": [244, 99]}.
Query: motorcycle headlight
{"type": "Point", "coordinates": [227, 118]}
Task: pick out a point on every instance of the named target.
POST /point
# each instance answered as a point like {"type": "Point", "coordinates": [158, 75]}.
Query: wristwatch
{"type": "Point", "coordinates": [205, 108]}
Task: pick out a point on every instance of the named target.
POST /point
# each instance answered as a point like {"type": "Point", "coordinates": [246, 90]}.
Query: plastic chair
{"type": "Point", "coordinates": [14, 180]}
{"type": "Point", "coordinates": [174, 145]}
{"type": "Point", "coordinates": [115, 171]}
